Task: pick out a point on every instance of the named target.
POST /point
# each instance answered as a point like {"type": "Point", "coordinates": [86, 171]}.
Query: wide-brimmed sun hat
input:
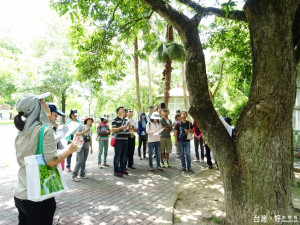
{"type": "Point", "coordinates": [155, 116]}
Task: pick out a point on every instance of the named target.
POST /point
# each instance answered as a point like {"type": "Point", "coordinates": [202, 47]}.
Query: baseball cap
{"type": "Point", "coordinates": [73, 112]}
{"type": "Point", "coordinates": [53, 108]}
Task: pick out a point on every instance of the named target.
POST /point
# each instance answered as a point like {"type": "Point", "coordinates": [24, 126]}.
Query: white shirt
{"type": "Point", "coordinates": [152, 128]}
{"type": "Point", "coordinates": [226, 125]}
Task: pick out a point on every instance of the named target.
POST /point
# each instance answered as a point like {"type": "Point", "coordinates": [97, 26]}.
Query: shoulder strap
{"type": "Point", "coordinates": [39, 148]}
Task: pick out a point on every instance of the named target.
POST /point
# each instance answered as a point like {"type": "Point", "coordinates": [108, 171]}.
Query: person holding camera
{"type": "Point", "coordinates": [86, 132]}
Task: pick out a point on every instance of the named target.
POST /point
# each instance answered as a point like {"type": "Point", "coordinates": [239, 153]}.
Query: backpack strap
{"type": "Point", "coordinates": [39, 148]}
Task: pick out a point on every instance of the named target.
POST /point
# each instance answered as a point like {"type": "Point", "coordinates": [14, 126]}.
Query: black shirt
{"type": "Point", "coordinates": [180, 127]}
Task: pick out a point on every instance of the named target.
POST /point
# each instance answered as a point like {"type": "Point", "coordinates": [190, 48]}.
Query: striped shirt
{"type": "Point", "coordinates": [102, 126]}
{"type": "Point", "coordinates": [122, 135]}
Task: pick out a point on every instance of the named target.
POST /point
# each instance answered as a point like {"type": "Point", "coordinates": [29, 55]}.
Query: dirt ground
{"type": "Point", "coordinates": [201, 200]}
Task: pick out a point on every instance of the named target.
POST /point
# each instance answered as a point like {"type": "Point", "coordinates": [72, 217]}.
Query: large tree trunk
{"type": "Point", "coordinates": [149, 81]}
{"type": "Point", "coordinates": [168, 67]}
{"type": "Point", "coordinates": [256, 170]}
{"type": "Point", "coordinates": [137, 80]}
{"type": "Point", "coordinates": [267, 119]}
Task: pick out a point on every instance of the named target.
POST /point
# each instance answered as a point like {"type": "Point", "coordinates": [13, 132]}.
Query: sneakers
{"type": "Point", "coordinates": [210, 167]}
{"type": "Point", "coordinates": [160, 169]}
{"type": "Point", "coordinates": [105, 164]}
{"type": "Point", "coordinates": [100, 166]}
{"type": "Point", "coordinates": [83, 177]}
{"type": "Point", "coordinates": [190, 170]}
{"type": "Point", "coordinates": [125, 172]}
{"type": "Point", "coordinates": [168, 165]}
{"type": "Point", "coordinates": [202, 160]}
{"type": "Point", "coordinates": [131, 167]}
{"type": "Point", "coordinates": [69, 170]}
{"type": "Point", "coordinates": [145, 157]}
{"type": "Point", "coordinates": [119, 174]}
{"type": "Point", "coordinates": [183, 169]}
{"type": "Point", "coordinates": [75, 179]}
{"type": "Point", "coordinates": [141, 158]}
{"type": "Point", "coordinates": [151, 169]}
{"type": "Point", "coordinates": [162, 164]}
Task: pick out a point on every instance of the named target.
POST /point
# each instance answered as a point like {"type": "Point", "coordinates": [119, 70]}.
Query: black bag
{"type": "Point", "coordinates": [87, 138]}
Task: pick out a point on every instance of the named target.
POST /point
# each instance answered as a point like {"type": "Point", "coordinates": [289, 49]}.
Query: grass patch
{"type": "Point", "coordinates": [218, 220]}
{"type": "Point", "coordinates": [178, 197]}
{"type": "Point", "coordinates": [177, 219]}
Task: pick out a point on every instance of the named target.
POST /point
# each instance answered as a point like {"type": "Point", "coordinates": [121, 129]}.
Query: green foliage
{"type": "Point", "coordinates": [9, 60]}
{"type": "Point", "coordinates": [170, 50]}
{"type": "Point", "coordinates": [55, 60]}
{"type": "Point", "coordinates": [100, 47]}
{"type": "Point", "coordinates": [231, 41]}
{"type": "Point", "coordinates": [232, 38]}
{"type": "Point", "coordinates": [230, 5]}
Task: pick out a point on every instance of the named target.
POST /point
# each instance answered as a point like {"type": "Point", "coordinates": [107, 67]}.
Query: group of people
{"type": "Point", "coordinates": [153, 130]}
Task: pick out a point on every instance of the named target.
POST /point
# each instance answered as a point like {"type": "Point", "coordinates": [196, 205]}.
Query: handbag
{"type": "Point", "coordinates": [113, 140]}
{"type": "Point", "coordinates": [43, 182]}
{"type": "Point", "coordinates": [190, 136]}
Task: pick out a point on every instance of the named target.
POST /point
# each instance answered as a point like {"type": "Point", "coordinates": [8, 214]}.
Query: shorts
{"type": "Point", "coordinates": [165, 143]}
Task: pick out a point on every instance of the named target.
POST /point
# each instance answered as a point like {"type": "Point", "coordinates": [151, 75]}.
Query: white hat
{"type": "Point", "coordinates": [155, 116]}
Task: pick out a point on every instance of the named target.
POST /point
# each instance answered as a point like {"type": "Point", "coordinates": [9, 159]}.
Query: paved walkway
{"type": "Point", "coordinates": [140, 198]}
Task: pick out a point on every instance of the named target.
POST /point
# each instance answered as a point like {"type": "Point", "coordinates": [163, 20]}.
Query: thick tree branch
{"type": "Point", "coordinates": [233, 15]}
{"type": "Point", "coordinates": [171, 15]}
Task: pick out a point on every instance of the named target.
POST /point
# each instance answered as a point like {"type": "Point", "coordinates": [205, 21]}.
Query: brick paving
{"type": "Point", "coordinates": [139, 198]}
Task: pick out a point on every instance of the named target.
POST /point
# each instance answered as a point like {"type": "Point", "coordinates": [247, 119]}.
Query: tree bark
{"type": "Point", "coordinates": [267, 118]}
{"type": "Point", "coordinates": [149, 82]}
{"type": "Point", "coordinates": [137, 80]}
{"type": "Point", "coordinates": [256, 170]}
{"type": "Point", "coordinates": [168, 67]}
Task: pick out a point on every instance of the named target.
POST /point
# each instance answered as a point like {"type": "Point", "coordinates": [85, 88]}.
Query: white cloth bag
{"type": "Point", "coordinates": [43, 182]}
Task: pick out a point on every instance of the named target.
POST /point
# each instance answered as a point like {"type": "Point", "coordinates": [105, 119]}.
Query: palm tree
{"type": "Point", "coordinates": [167, 52]}
{"type": "Point", "coordinates": [137, 80]}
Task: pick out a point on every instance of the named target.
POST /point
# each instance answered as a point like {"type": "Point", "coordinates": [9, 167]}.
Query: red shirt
{"type": "Point", "coordinates": [197, 131]}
